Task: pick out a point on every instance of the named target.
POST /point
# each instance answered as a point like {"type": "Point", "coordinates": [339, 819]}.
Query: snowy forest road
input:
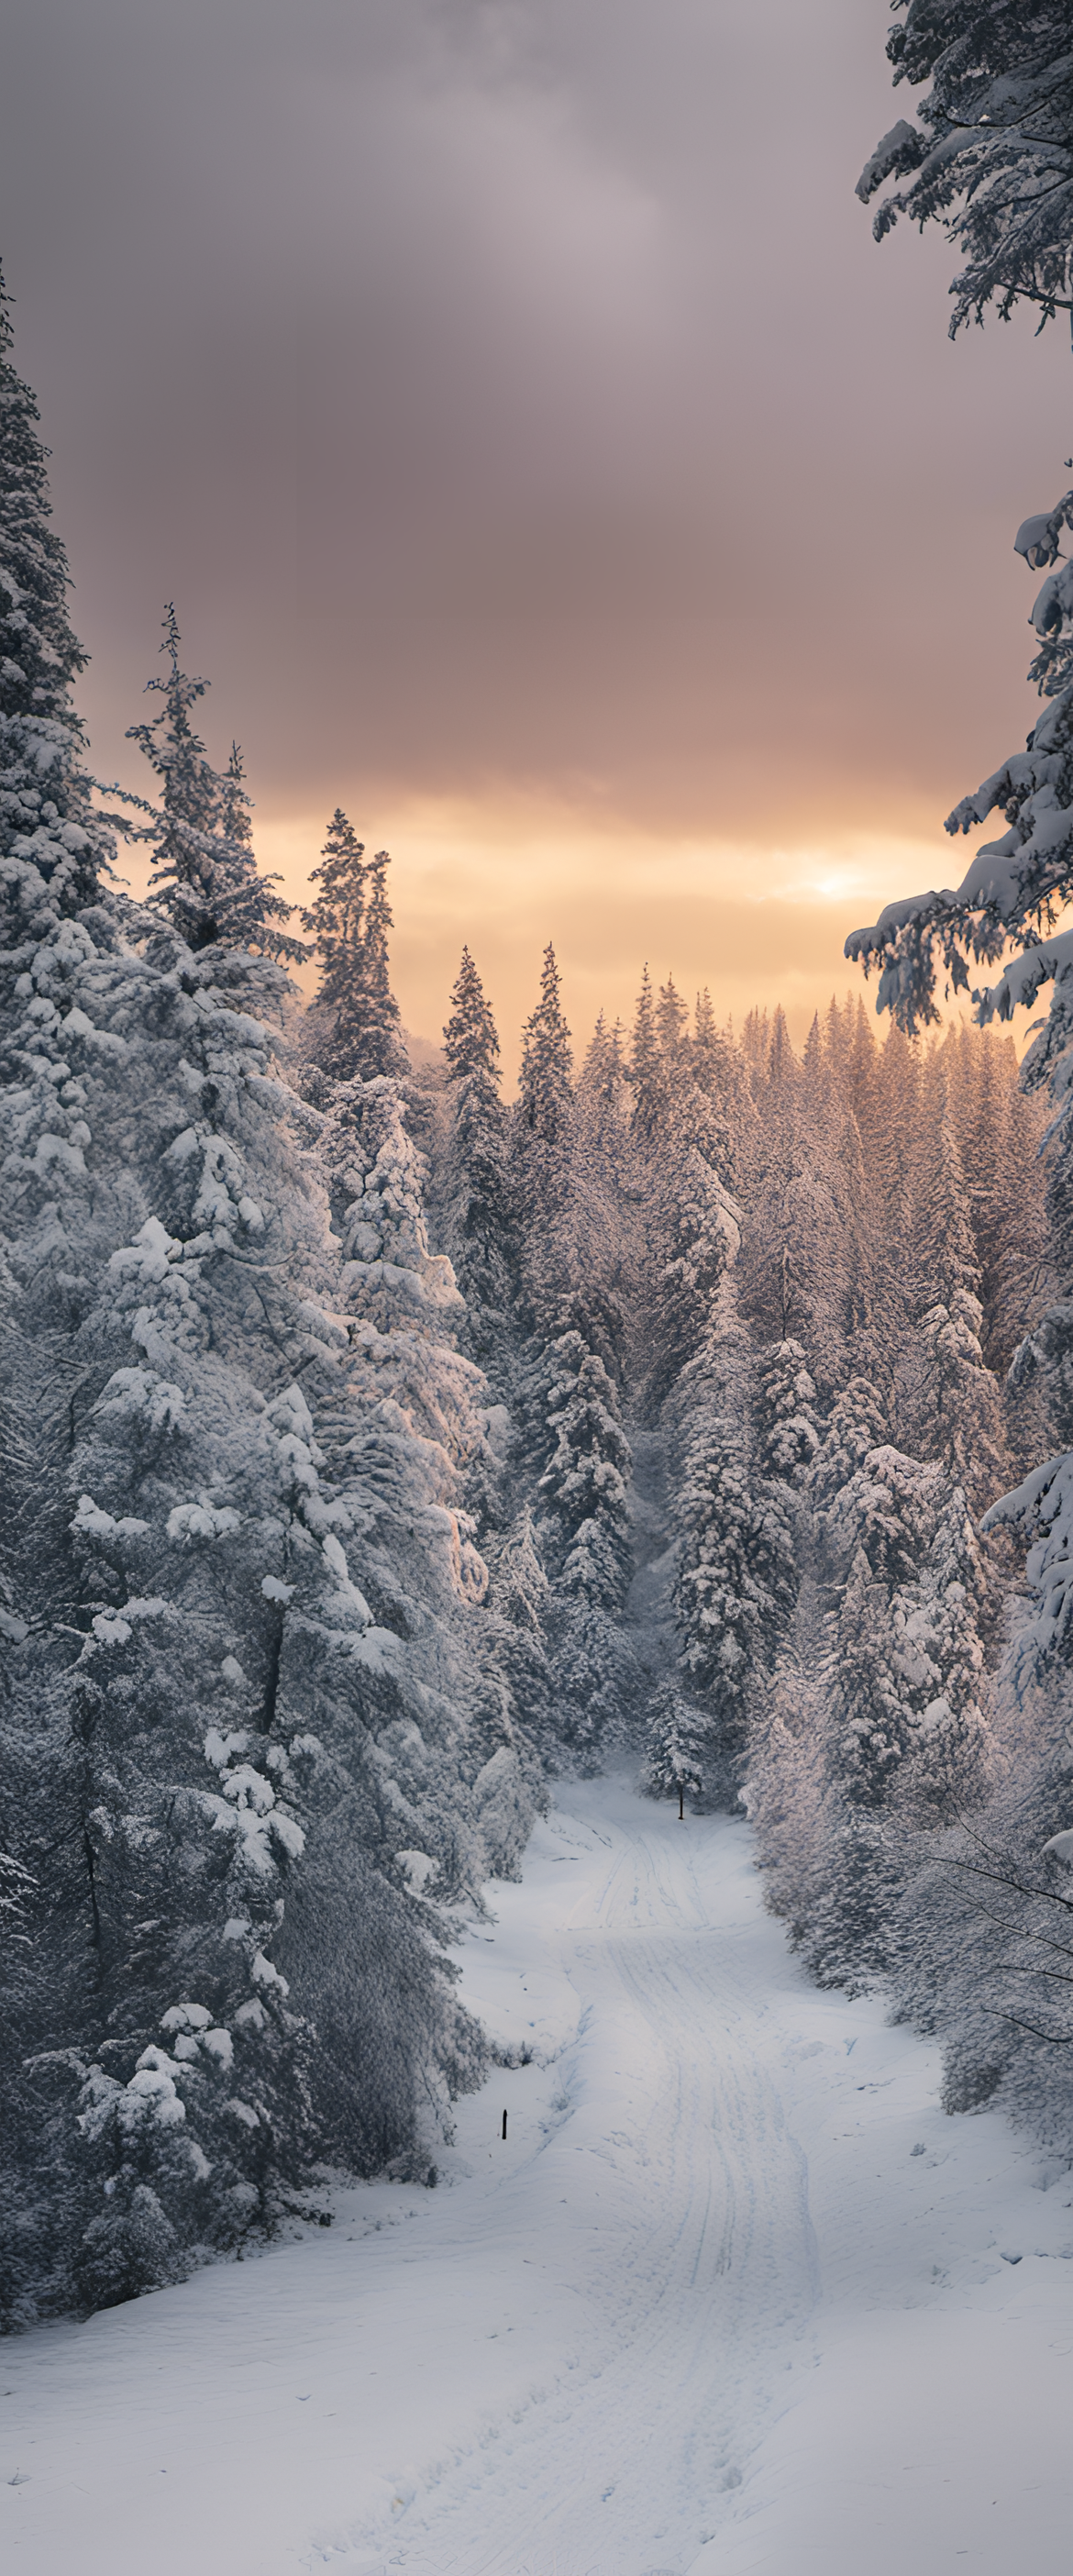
{"type": "Point", "coordinates": [731, 2297]}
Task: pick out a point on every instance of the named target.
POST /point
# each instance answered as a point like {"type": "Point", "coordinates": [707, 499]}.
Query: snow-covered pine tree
{"type": "Point", "coordinates": [234, 1426]}
{"type": "Point", "coordinates": [353, 1028]}
{"type": "Point", "coordinates": [586, 1534]}
{"type": "Point", "coordinates": [756, 1046]}
{"type": "Point", "coordinates": [790, 1436]}
{"type": "Point", "coordinates": [860, 1073]}
{"type": "Point", "coordinates": [248, 911]}
{"type": "Point", "coordinates": [92, 1814]}
{"type": "Point", "coordinates": [736, 1583]}
{"type": "Point", "coordinates": [548, 1209]}
{"type": "Point", "coordinates": [1012, 893]}
{"type": "Point", "coordinates": [204, 879]}
{"type": "Point", "coordinates": [950, 1402]}
{"type": "Point", "coordinates": [47, 816]}
{"type": "Point", "coordinates": [379, 1045]}
{"type": "Point", "coordinates": [601, 1233]}
{"type": "Point", "coordinates": [868, 1301]}
{"type": "Point", "coordinates": [541, 1141]}
{"type": "Point", "coordinates": [895, 1131]}
{"type": "Point", "coordinates": [215, 1721]}
{"type": "Point", "coordinates": [335, 920]}
{"type": "Point", "coordinates": [478, 1213]}
{"type": "Point", "coordinates": [991, 158]}
{"type": "Point", "coordinates": [906, 1730]}
{"type": "Point", "coordinates": [720, 1074]}
{"type": "Point", "coordinates": [984, 1924]}
{"type": "Point", "coordinates": [584, 1483]}
{"type": "Point", "coordinates": [648, 1073]}
{"type": "Point", "coordinates": [546, 1087]}
{"type": "Point", "coordinates": [518, 1598]}
{"type": "Point", "coordinates": [914, 1692]}
{"type": "Point", "coordinates": [408, 1427]}
{"type": "Point", "coordinates": [582, 1241]}
{"type": "Point", "coordinates": [1000, 1133]}
{"type": "Point", "coordinates": [693, 1234]}
{"type": "Point", "coordinates": [855, 1426]}
{"type": "Point", "coordinates": [676, 1740]}
{"type": "Point", "coordinates": [708, 1042]}
{"type": "Point", "coordinates": [603, 1084]}
{"type": "Point", "coordinates": [672, 1024]}
{"type": "Point", "coordinates": [789, 1270]}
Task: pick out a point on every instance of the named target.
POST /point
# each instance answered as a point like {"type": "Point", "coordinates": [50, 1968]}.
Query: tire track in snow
{"type": "Point", "coordinates": [696, 2265]}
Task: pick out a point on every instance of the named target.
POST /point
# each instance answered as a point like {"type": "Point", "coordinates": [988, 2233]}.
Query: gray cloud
{"type": "Point", "coordinates": [513, 400]}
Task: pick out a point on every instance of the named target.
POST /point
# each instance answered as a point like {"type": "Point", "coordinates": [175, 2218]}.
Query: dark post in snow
{"type": "Point", "coordinates": [681, 1802]}
{"type": "Point", "coordinates": [504, 2124]}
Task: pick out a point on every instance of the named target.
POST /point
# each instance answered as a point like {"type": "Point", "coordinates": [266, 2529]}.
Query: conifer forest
{"type": "Point", "coordinates": [544, 1601]}
{"type": "Point", "coordinates": [377, 1451]}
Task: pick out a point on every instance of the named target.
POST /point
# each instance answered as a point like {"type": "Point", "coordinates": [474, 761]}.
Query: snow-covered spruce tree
{"type": "Point", "coordinates": [894, 1130]}
{"type": "Point", "coordinates": [1012, 892]}
{"type": "Point", "coordinates": [233, 1424]}
{"type": "Point", "coordinates": [478, 1212]}
{"type": "Point", "coordinates": [736, 1581]}
{"type": "Point", "coordinates": [47, 815]}
{"type": "Point", "coordinates": [865, 1312]}
{"type": "Point", "coordinates": [786, 1443]}
{"type": "Point", "coordinates": [913, 1559]}
{"type": "Point", "coordinates": [851, 1058]}
{"type": "Point", "coordinates": [335, 921]}
{"type": "Point", "coordinates": [788, 1275]}
{"type": "Point", "coordinates": [584, 1483]}
{"type": "Point", "coordinates": [582, 1259]}
{"type": "Point", "coordinates": [586, 1535]}
{"type": "Point", "coordinates": [1000, 1131]}
{"type": "Point", "coordinates": [565, 1182]}
{"type": "Point", "coordinates": [855, 1426]}
{"type": "Point", "coordinates": [672, 1026]}
{"type": "Point", "coordinates": [223, 1723]}
{"type": "Point", "coordinates": [675, 1747]}
{"type": "Point", "coordinates": [991, 158]}
{"type": "Point", "coordinates": [518, 1598]}
{"type": "Point", "coordinates": [701, 1233]}
{"type": "Point", "coordinates": [541, 1136]}
{"type": "Point", "coordinates": [681, 1169]}
{"type": "Point", "coordinates": [216, 1721]}
{"type": "Point", "coordinates": [904, 1738]}
{"type": "Point", "coordinates": [949, 1402]}
{"type": "Point", "coordinates": [719, 1072]}
{"type": "Point", "coordinates": [603, 1083]}
{"type": "Point", "coordinates": [984, 1941]}
{"type": "Point", "coordinates": [788, 1789]}
{"type": "Point", "coordinates": [354, 1027]}
{"type": "Point", "coordinates": [428, 1449]}
{"type": "Point", "coordinates": [204, 878]}
{"type": "Point", "coordinates": [602, 1235]}
{"type": "Point", "coordinates": [410, 1423]}
{"type": "Point", "coordinates": [647, 1069]}
{"type": "Point", "coordinates": [51, 839]}
{"type": "Point", "coordinates": [378, 1036]}
{"type": "Point", "coordinates": [790, 1436]}
{"type": "Point", "coordinates": [546, 1088]}
{"type": "Point", "coordinates": [108, 1730]}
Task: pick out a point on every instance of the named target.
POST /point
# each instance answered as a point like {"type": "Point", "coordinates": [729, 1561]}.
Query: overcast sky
{"type": "Point", "coordinates": [544, 461]}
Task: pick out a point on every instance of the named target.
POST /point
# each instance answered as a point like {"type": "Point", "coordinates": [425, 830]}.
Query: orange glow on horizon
{"type": "Point", "coordinates": [760, 927]}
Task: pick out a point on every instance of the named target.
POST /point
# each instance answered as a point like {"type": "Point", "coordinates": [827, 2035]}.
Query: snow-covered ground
{"type": "Point", "coordinates": [732, 2297]}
